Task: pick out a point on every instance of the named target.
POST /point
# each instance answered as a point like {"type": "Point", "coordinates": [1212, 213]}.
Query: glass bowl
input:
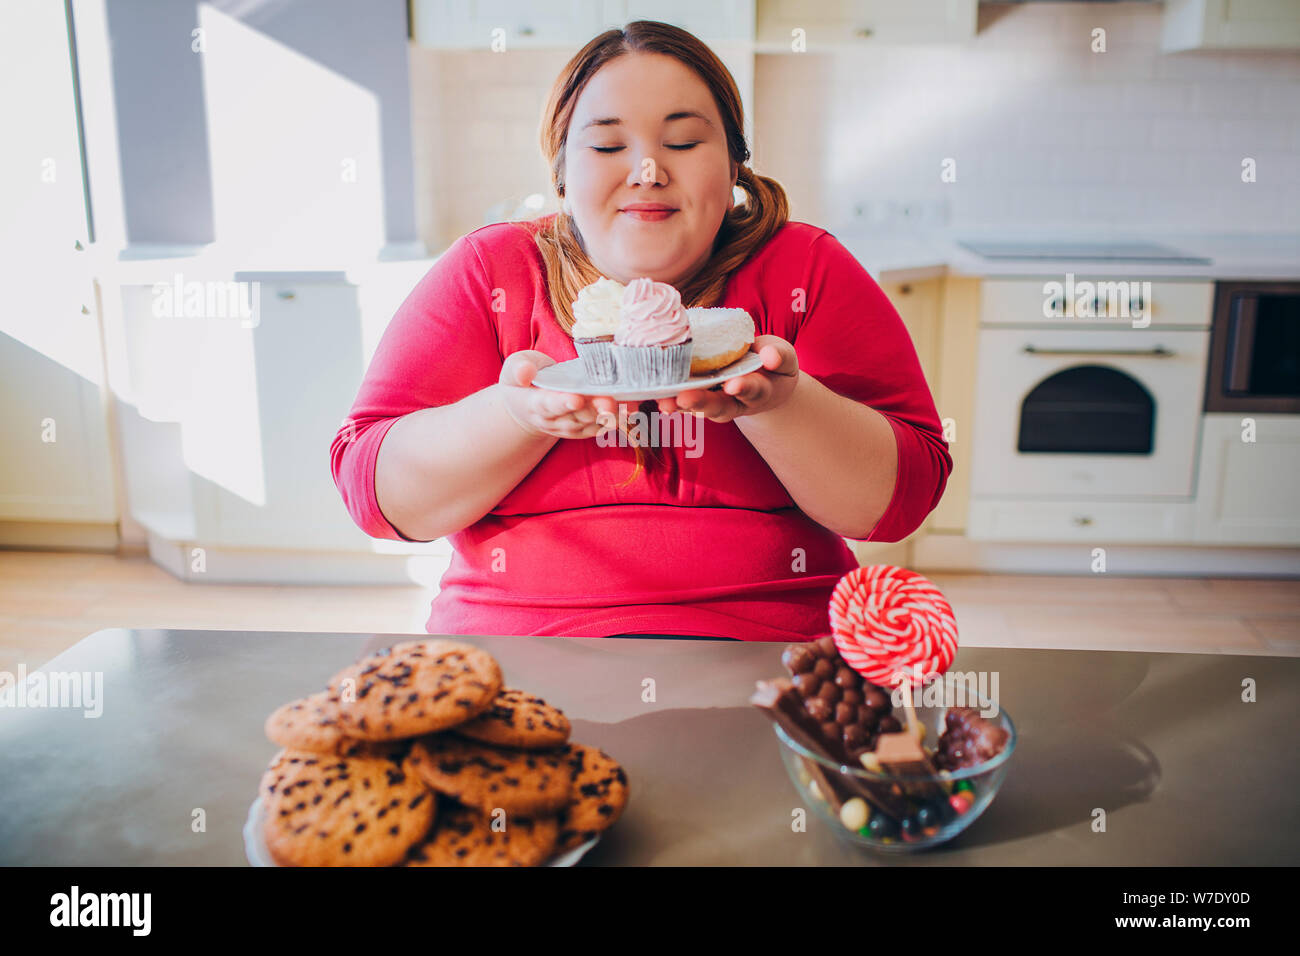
{"type": "Point", "coordinates": [943, 817]}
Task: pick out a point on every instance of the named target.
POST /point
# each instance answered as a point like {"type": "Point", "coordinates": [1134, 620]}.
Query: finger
{"type": "Point", "coordinates": [554, 405]}
{"type": "Point", "coordinates": [748, 389]}
{"type": "Point", "coordinates": [667, 406]}
{"type": "Point", "coordinates": [690, 399]}
{"type": "Point", "coordinates": [525, 372]}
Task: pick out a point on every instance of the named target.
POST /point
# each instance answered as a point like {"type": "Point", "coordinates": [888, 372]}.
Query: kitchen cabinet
{"type": "Point", "coordinates": [1230, 24]}
{"type": "Point", "coordinates": [251, 409]}
{"type": "Point", "coordinates": [55, 458]}
{"type": "Point", "coordinates": [1247, 491]}
{"type": "Point", "coordinates": [862, 22]}
{"type": "Point", "coordinates": [942, 318]}
{"type": "Point", "coordinates": [477, 24]}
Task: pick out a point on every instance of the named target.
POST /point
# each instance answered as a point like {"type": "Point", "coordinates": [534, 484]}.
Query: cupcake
{"type": "Point", "coordinates": [595, 315]}
{"type": "Point", "coordinates": [652, 343]}
{"type": "Point", "coordinates": [721, 337]}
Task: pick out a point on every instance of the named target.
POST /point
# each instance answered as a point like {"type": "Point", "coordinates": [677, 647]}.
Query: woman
{"type": "Point", "coordinates": [559, 532]}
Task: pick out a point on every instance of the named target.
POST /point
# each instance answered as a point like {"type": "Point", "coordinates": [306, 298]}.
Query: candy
{"type": "Point", "coordinates": [836, 696]}
{"type": "Point", "coordinates": [882, 827]}
{"type": "Point", "coordinates": [968, 739]}
{"type": "Point", "coordinates": [963, 785]}
{"type": "Point", "coordinates": [901, 755]}
{"type": "Point", "coordinates": [854, 814]}
{"type": "Point", "coordinates": [886, 621]}
{"type": "Point", "coordinates": [927, 816]}
{"type": "Point", "coordinates": [960, 802]}
{"type": "Point", "coordinates": [779, 701]}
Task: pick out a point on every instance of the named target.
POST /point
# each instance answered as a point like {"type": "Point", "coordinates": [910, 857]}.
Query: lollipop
{"type": "Point", "coordinates": [888, 622]}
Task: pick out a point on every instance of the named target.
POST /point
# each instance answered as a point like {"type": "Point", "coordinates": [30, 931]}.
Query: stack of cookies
{"type": "Point", "coordinates": [418, 755]}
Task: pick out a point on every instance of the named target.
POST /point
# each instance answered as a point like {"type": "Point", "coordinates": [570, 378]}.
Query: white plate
{"type": "Point", "coordinates": [258, 855]}
{"type": "Point", "coordinates": [571, 377]}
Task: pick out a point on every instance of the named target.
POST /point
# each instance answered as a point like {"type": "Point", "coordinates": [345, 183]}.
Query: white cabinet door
{"type": "Point", "coordinates": [717, 20]}
{"type": "Point", "coordinates": [517, 24]}
{"type": "Point", "coordinates": [862, 22]}
{"type": "Point", "coordinates": [1247, 492]}
{"type": "Point", "coordinates": [264, 407]}
{"type": "Point", "coordinates": [1230, 24]}
{"type": "Point", "coordinates": [55, 463]}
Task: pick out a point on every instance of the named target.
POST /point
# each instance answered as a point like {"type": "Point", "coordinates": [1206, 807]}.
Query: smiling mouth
{"type": "Point", "coordinates": [649, 215]}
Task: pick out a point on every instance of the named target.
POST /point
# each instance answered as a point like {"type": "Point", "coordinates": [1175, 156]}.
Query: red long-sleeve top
{"type": "Point", "coordinates": [707, 543]}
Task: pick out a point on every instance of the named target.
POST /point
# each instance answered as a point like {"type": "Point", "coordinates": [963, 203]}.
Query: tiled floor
{"type": "Point", "coordinates": [49, 601]}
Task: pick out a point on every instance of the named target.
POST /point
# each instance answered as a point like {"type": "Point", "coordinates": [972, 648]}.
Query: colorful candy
{"type": "Point", "coordinates": [854, 813]}
{"type": "Point", "coordinates": [887, 620]}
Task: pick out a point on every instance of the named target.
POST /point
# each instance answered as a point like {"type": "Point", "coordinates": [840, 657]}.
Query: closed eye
{"type": "Point", "coordinates": [615, 149]}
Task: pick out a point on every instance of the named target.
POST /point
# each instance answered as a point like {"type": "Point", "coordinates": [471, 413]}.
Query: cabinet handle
{"type": "Point", "coordinates": [285, 295]}
{"type": "Point", "coordinates": [525, 31]}
{"type": "Point", "coordinates": [1158, 352]}
{"type": "Point", "coordinates": [1082, 521]}
{"type": "Point", "coordinates": [864, 32]}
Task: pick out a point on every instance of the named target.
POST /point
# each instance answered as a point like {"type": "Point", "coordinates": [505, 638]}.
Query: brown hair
{"type": "Point", "coordinates": [745, 227]}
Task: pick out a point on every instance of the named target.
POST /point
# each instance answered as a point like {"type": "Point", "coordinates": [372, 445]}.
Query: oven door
{"type": "Point", "coordinates": [1087, 414]}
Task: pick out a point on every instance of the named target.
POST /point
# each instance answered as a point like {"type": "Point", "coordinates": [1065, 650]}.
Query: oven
{"type": "Point", "coordinates": [1255, 348]}
{"type": "Point", "coordinates": [1085, 421]}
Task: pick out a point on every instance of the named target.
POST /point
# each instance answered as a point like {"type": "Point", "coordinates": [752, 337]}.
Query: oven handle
{"type": "Point", "coordinates": [1158, 352]}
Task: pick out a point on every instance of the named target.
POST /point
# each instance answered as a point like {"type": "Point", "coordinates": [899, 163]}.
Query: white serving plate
{"type": "Point", "coordinates": [258, 855]}
{"type": "Point", "coordinates": [571, 377]}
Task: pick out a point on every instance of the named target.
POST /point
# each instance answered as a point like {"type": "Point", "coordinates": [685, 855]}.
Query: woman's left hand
{"type": "Point", "coordinates": [758, 391]}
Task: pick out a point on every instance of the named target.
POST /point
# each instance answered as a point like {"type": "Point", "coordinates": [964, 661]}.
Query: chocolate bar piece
{"type": "Point", "coordinates": [844, 705]}
{"type": "Point", "coordinates": [968, 739]}
{"type": "Point", "coordinates": [783, 705]}
{"type": "Point", "coordinates": [903, 756]}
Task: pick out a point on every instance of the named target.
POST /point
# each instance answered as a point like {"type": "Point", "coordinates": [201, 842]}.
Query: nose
{"type": "Point", "coordinates": [647, 172]}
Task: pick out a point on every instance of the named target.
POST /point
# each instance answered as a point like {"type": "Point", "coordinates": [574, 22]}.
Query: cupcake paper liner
{"type": "Point", "coordinates": [598, 362]}
{"type": "Point", "coordinates": [647, 366]}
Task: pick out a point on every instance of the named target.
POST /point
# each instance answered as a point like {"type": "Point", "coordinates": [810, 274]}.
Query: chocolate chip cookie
{"type": "Point", "coordinates": [342, 811]}
{"type": "Point", "coordinates": [597, 798]}
{"type": "Point", "coordinates": [518, 719]}
{"type": "Point", "coordinates": [465, 837]}
{"type": "Point", "coordinates": [414, 688]}
{"type": "Point", "coordinates": [521, 782]}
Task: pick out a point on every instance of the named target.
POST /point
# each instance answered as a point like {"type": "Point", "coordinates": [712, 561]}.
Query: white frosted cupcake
{"type": "Point", "coordinates": [721, 336]}
{"type": "Point", "coordinates": [652, 344]}
{"type": "Point", "coordinates": [596, 313]}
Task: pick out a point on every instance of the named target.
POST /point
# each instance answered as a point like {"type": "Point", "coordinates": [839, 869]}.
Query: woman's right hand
{"type": "Point", "coordinates": [540, 411]}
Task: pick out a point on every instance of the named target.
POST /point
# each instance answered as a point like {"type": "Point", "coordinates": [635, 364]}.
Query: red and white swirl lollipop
{"type": "Point", "coordinates": [890, 623]}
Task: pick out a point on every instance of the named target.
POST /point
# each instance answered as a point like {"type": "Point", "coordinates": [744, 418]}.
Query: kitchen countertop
{"type": "Point", "coordinates": [913, 257]}
{"type": "Point", "coordinates": [1188, 774]}
{"type": "Point", "coordinates": [889, 257]}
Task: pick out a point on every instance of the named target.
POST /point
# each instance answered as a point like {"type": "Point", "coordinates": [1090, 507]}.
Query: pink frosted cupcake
{"type": "Point", "coordinates": [652, 343]}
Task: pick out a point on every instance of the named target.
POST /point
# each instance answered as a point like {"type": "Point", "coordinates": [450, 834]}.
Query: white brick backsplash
{"type": "Point", "coordinates": [1176, 132]}
{"type": "Point", "coordinates": [1252, 136]}
{"type": "Point", "coordinates": [1158, 98]}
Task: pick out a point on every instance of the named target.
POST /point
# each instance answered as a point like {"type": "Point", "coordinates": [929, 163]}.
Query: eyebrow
{"type": "Point", "coordinates": [680, 114]}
